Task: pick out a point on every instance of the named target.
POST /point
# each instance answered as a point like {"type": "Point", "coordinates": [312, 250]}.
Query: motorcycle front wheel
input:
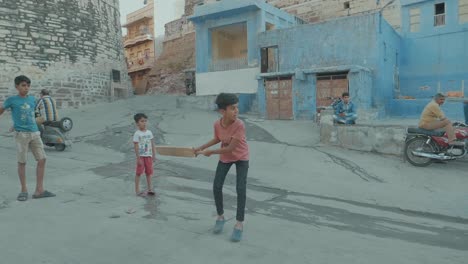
{"type": "Point", "coordinates": [418, 144]}
{"type": "Point", "coordinates": [66, 124]}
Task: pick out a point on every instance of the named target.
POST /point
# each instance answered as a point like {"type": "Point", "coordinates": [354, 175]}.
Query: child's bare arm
{"type": "Point", "coordinates": [2, 110]}
{"type": "Point", "coordinates": [153, 147]}
{"type": "Point", "coordinates": [137, 150]}
{"type": "Point", "coordinates": [137, 153]}
{"type": "Point", "coordinates": [234, 143]}
{"type": "Point", "coordinates": [210, 143]}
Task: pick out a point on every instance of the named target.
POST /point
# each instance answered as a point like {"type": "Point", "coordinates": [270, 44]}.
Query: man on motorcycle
{"type": "Point", "coordinates": [345, 111]}
{"type": "Point", "coordinates": [433, 118]}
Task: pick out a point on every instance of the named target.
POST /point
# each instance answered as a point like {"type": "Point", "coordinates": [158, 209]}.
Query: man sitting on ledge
{"type": "Point", "coordinates": [345, 111]}
{"type": "Point", "coordinates": [433, 118]}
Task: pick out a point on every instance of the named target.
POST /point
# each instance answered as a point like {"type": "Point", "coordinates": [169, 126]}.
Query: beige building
{"type": "Point", "coordinates": [139, 44]}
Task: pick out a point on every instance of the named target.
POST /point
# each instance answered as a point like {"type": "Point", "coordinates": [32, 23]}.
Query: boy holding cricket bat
{"type": "Point", "coordinates": [230, 132]}
{"type": "Point", "coordinates": [145, 154]}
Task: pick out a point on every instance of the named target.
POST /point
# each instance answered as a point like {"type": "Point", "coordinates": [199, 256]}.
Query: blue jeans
{"type": "Point", "coordinates": [466, 112]}
{"type": "Point", "coordinates": [348, 119]}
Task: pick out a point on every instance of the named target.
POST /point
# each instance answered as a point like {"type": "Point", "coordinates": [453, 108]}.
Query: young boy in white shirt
{"type": "Point", "coordinates": [143, 141]}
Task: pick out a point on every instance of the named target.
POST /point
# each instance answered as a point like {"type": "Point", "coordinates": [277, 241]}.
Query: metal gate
{"type": "Point", "coordinates": [279, 98]}
{"type": "Point", "coordinates": [330, 86]}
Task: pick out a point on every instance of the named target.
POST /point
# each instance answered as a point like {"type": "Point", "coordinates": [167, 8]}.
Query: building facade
{"type": "Point", "coordinates": [178, 55]}
{"type": "Point", "coordinates": [73, 48]}
{"type": "Point", "coordinates": [140, 46]}
{"type": "Point", "coordinates": [314, 11]}
{"type": "Point", "coordinates": [226, 44]}
{"type": "Point", "coordinates": [318, 62]}
{"type": "Point", "coordinates": [434, 56]}
{"type": "Point", "coordinates": [299, 69]}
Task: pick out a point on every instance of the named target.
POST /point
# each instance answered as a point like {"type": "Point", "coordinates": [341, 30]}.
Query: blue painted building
{"type": "Point", "coordinates": [434, 56]}
{"type": "Point", "coordinates": [226, 45]}
{"type": "Point", "coordinates": [357, 54]}
{"type": "Point", "coordinates": [291, 70]}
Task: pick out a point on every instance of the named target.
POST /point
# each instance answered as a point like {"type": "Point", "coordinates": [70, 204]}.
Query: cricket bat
{"type": "Point", "coordinates": [175, 151]}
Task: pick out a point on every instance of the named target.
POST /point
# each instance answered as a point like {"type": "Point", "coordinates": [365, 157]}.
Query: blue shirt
{"type": "Point", "coordinates": [22, 112]}
{"type": "Point", "coordinates": [348, 108]}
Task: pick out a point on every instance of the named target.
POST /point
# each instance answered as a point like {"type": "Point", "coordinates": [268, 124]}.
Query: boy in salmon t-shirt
{"type": "Point", "coordinates": [230, 132]}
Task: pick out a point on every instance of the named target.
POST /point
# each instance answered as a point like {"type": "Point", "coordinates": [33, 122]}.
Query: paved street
{"type": "Point", "coordinates": [307, 203]}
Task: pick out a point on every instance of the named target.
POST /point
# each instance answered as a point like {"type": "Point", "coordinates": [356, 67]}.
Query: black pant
{"type": "Point", "coordinates": [242, 167]}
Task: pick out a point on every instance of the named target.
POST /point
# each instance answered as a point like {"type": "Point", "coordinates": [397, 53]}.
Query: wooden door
{"type": "Point", "coordinates": [285, 99]}
{"type": "Point", "coordinates": [279, 98]}
{"type": "Point", "coordinates": [330, 86]}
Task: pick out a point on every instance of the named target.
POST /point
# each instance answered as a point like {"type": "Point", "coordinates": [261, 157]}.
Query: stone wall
{"type": "Point", "coordinates": [178, 54]}
{"type": "Point", "coordinates": [318, 10]}
{"type": "Point", "coordinates": [168, 75]}
{"type": "Point", "coordinates": [190, 6]}
{"type": "Point", "coordinates": [178, 28]}
{"type": "Point", "coordinates": [67, 46]}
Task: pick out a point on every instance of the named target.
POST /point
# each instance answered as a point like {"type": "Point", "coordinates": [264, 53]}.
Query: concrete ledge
{"type": "Point", "coordinates": [384, 139]}
{"type": "Point", "coordinates": [379, 139]}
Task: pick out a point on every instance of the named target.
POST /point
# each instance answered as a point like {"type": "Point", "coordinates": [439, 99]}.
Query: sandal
{"type": "Point", "coordinates": [44, 194]}
{"type": "Point", "coordinates": [22, 196]}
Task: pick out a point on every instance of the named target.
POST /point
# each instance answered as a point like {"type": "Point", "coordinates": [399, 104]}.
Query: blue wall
{"type": "Point", "coordinates": [304, 97]}
{"type": "Point", "coordinates": [245, 102]}
{"type": "Point", "coordinates": [435, 59]}
{"type": "Point", "coordinates": [254, 13]}
{"type": "Point", "coordinates": [348, 41]}
{"type": "Point", "coordinates": [203, 36]}
{"type": "Point", "coordinates": [353, 43]}
{"type": "Point", "coordinates": [413, 108]}
{"type": "Point", "coordinates": [386, 75]}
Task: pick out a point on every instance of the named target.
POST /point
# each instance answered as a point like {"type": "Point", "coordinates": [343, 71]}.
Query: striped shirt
{"type": "Point", "coordinates": [46, 107]}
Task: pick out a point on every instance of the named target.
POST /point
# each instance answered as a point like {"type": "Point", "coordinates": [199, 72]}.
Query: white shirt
{"type": "Point", "coordinates": [143, 138]}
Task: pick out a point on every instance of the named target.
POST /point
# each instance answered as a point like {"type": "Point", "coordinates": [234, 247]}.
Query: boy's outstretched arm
{"type": "Point", "coordinates": [2, 110]}
{"type": "Point", "coordinates": [210, 143]}
{"type": "Point", "coordinates": [234, 143]}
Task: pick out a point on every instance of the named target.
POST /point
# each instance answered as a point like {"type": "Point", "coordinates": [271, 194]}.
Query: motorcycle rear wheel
{"type": "Point", "coordinates": [60, 147]}
{"type": "Point", "coordinates": [419, 144]}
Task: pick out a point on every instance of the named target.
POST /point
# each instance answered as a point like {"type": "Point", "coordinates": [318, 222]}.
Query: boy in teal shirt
{"type": "Point", "coordinates": [27, 136]}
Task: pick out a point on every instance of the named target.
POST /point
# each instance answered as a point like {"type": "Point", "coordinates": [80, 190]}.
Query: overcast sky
{"type": "Point", "coordinates": [165, 11]}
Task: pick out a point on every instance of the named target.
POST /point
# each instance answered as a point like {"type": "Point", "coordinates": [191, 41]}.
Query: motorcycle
{"type": "Point", "coordinates": [55, 133]}
{"type": "Point", "coordinates": [423, 147]}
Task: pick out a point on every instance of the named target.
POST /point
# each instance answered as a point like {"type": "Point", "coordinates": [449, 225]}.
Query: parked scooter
{"type": "Point", "coordinates": [55, 133]}
{"type": "Point", "coordinates": [423, 147]}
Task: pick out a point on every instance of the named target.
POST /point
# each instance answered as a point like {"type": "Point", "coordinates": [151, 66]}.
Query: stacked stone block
{"type": "Point", "coordinates": [67, 46]}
